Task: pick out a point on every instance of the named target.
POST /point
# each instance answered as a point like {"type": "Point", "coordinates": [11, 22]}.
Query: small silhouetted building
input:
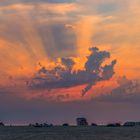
{"type": "Point", "coordinates": [132, 124]}
{"type": "Point", "coordinates": [81, 122]}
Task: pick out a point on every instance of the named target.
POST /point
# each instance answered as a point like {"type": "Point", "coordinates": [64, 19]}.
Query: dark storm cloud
{"type": "Point", "coordinates": [62, 76]}
{"type": "Point", "coordinates": [127, 91]}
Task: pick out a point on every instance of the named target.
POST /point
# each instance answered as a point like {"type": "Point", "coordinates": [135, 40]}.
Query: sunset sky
{"type": "Point", "coordinates": [62, 59]}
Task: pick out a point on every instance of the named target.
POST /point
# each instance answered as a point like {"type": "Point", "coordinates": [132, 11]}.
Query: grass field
{"type": "Point", "coordinates": [69, 133]}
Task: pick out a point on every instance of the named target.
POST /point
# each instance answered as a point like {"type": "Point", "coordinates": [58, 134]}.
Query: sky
{"type": "Point", "coordinates": [62, 59]}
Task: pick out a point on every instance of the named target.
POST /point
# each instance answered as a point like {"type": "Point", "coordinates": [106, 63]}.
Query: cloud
{"type": "Point", "coordinates": [34, 30]}
{"type": "Point", "coordinates": [58, 1]}
{"type": "Point", "coordinates": [63, 75]}
{"type": "Point", "coordinates": [127, 91]}
{"type": "Point", "coordinates": [108, 71]}
{"type": "Point", "coordinates": [96, 59]}
{"type": "Point", "coordinates": [7, 2]}
{"type": "Point", "coordinates": [41, 31]}
{"type": "Point", "coordinates": [27, 29]}
{"type": "Point", "coordinates": [68, 63]}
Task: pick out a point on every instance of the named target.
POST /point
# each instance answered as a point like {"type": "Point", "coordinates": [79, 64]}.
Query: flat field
{"type": "Point", "coordinates": [70, 133]}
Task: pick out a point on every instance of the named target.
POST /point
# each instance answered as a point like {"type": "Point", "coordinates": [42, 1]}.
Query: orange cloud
{"type": "Point", "coordinates": [117, 31]}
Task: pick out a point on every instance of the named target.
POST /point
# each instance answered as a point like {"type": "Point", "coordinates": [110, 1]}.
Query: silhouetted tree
{"type": "Point", "coordinates": [1, 124]}
{"type": "Point", "coordinates": [94, 124]}
{"type": "Point", "coordinates": [114, 125]}
{"type": "Point", "coordinates": [65, 124]}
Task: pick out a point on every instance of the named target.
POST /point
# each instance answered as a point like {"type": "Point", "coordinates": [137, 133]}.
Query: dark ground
{"type": "Point", "coordinates": [70, 133]}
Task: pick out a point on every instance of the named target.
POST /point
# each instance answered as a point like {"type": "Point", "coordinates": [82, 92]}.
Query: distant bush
{"type": "Point", "coordinates": [40, 125]}
{"type": "Point", "coordinates": [1, 124]}
{"type": "Point", "coordinates": [65, 124]}
{"type": "Point", "coordinates": [114, 125]}
{"type": "Point", "coordinates": [94, 124]}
